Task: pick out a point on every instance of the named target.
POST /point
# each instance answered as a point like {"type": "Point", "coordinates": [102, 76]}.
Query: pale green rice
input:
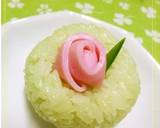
{"type": "Point", "coordinates": [100, 107]}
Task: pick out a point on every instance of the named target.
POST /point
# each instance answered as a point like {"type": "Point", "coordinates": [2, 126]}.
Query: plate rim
{"type": "Point", "coordinates": [151, 61]}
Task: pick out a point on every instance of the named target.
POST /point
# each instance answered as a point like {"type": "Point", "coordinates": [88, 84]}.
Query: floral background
{"type": "Point", "coordinates": [140, 17]}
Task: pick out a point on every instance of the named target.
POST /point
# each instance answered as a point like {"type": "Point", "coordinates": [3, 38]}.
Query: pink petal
{"type": "Point", "coordinates": [81, 62]}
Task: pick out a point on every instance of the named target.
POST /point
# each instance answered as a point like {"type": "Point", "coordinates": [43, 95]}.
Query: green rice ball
{"type": "Point", "coordinates": [101, 107]}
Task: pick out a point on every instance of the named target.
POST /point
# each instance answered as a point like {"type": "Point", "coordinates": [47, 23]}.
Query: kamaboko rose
{"type": "Point", "coordinates": [81, 62]}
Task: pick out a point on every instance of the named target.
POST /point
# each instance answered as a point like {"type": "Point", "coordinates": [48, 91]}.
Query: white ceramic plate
{"type": "Point", "coordinates": [21, 36]}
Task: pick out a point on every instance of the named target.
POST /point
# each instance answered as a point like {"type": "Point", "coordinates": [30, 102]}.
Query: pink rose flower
{"type": "Point", "coordinates": [81, 62]}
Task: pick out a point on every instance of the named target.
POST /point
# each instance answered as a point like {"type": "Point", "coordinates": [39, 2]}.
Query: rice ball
{"type": "Point", "coordinates": [101, 107]}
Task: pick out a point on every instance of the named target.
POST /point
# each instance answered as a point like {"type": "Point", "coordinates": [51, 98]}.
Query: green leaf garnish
{"type": "Point", "coordinates": [111, 55]}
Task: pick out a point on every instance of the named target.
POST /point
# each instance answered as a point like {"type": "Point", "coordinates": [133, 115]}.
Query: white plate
{"type": "Point", "coordinates": [21, 36]}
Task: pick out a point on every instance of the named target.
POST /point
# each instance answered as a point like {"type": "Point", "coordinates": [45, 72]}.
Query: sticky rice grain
{"type": "Point", "coordinates": [101, 107]}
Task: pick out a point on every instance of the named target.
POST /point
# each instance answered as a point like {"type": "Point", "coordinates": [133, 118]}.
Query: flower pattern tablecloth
{"type": "Point", "coordinates": [140, 17]}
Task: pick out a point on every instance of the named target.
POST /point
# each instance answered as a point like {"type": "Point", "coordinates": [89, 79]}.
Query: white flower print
{"type": "Point", "coordinates": [43, 9]}
{"type": "Point", "coordinates": [124, 5]}
{"type": "Point", "coordinates": [108, 1]}
{"type": "Point", "coordinates": [155, 35]}
{"type": "Point", "coordinates": [120, 19]}
{"type": "Point", "coordinates": [15, 4]}
{"type": "Point", "coordinates": [138, 39]}
{"type": "Point", "coordinates": [85, 8]}
{"type": "Point", "coordinates": [150, 12]}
